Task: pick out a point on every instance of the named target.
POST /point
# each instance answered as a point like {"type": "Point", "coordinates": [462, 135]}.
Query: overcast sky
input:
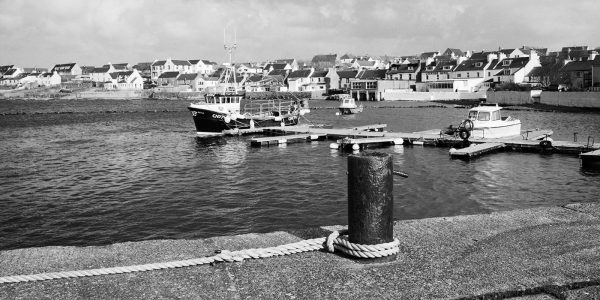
{"type": "Point", "coordinates": [93, 32]}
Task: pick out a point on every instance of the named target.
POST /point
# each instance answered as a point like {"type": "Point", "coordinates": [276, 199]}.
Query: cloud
{"type": "Point", "coordinates": [93, 32]}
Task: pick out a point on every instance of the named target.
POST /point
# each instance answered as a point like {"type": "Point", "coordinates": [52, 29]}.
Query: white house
{"type": "Point", "coordinates": [67, 69]}
{"type": "Point", "coordinates": [102, 74]}
{"type": "Point", "coordinates": [299, 78]}
{"type": "Point", "coordinates": [170, 65]}
{"type": "Point", "coordinates": [49, 79]}
{"type": "Point", "coordinates": [514, 69]}
{"type": "Point", "coordinates": [202, 66]}
{"type": "Point", "coordinates": [125, 80]}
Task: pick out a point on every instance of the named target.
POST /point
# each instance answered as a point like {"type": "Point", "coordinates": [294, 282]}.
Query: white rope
{"type": "Point", "coordinates": [333, 242]}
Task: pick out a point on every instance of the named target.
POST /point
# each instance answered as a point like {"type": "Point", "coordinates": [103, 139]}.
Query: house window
{"type": "Point", "coordinates": [489, 73]}
{"type": "Point", "coordinates": [506, 62]}
{"type": "Point", "coordinates": [458, 75]}
{"type": "Point", "coordinates": [409, 76]}
{"type": "Point", "coordinates": [479, 64]}
{"type": "Point", "coordinates": [371, 85]}
{"type": "Point", "coordinates": [427, 77]}
{"type": "Point", "coordinates": [468, 75]}
{"type": "Point", "coordinates": [578, 74]}
{"type": "Point", "coordinates": [477, 74]}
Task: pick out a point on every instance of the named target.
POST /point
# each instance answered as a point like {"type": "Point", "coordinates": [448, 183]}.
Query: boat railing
{"type": "Point", "coordinates": [267, 107]}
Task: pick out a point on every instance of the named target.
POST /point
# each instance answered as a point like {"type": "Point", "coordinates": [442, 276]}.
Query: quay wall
{"type": "Point", "coordinates": [430, 96]}
{"type": "Point", "coordinates": [509, 97]}
{"type": "Point", "coordinates": [531, 252]}
{"type": "Point", "coordinates": [567, 99]}
{"type": "Point", "coordinates": [571, 99]}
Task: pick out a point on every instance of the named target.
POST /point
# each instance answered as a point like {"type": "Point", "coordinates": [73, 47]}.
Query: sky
{"type": "Point", "coordinates": [42, 33]}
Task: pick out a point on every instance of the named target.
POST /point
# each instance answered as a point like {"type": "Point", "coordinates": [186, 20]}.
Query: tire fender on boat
{"type": "Point", "coordinates": [545, 144]}
{"type": "Point", "coordinates": [464, 134]}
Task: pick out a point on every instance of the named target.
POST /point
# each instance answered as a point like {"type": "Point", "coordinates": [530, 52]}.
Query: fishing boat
{"type": "Point", "coordinates": [348, 105]}
{"type": "Point", "coordinates": [227, 108]}
{"type": "Point", "coordinates": [486, 121]}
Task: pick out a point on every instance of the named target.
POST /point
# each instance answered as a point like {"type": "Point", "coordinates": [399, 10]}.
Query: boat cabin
{"type": "Point", "coordinates": [223, 98]}
{"type": "Point", "coordinates": [486, 113]}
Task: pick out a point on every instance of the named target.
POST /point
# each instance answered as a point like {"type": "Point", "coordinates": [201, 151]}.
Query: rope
{"type": "Point", "coordinates": [335, 241]}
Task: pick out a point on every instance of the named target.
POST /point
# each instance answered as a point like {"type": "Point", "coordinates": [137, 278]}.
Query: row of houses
{"type": "Point", "coordinates": [365, 77]}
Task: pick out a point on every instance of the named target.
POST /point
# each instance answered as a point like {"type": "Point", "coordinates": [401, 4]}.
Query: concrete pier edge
{"type": "Point", "coordinates": [537, 253]}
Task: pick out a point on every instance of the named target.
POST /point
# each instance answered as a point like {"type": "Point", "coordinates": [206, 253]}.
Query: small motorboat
{"type": "Point", "coordinates": [486, 121]}
{"type": "Point", "coordinates": [348, 105]}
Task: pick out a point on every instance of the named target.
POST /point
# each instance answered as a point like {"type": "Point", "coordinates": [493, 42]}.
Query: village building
{"type": "Point", "coordinates": [72, 69]}
{"type": "Point", "coordinates": [370, 85]}
{"type": "Point", "coordinates": [292, 62]}
{"type": "Point", "coordinates": [317, 82]}
{"type": "Point", "coordinates": [583, 74]}
{"type": "Point", "coordinates": [102, 74]}
{"type": "Point", "coordinates": [167, 79]}
{"type": "Point", "coordinates": [436, 76]}
{"type": "Point", "coordinates": [49, 79]}
{"type": "Point", "coordinates": [513, 70]}
{"type": "Point", "coordinates": [547, 73]}
{"type": "Point", "coordinates": [297, 79]}
{"type": "Point", "coordinates": [202, 66]}
{"type": "Point", "coordinates": [170, 65]}
{"type": "Point", "coordinates": [125, 80]}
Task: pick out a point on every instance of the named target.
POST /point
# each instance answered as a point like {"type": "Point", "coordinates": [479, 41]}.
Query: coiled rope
{"type": "Point", "coordinates": [337, 240]}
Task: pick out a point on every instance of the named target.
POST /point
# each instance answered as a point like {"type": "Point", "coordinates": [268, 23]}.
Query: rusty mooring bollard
{"type": "Point", "coordinates": [370, 200]}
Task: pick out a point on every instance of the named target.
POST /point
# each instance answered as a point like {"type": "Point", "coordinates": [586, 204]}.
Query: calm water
{"type": "Point", "coordinates": [98, 172]}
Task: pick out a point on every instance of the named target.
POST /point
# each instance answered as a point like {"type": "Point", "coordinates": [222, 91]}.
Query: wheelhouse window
{"type": "Point", "coordinates": [496, 116]}
{"type": "Point", "coordinates": [483, 116]}
{"type": "Point", "coordinates": [472, 115]}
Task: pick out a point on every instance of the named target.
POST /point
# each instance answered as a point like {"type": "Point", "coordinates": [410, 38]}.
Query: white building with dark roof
{"type": "Point", "coordinates": [170, 65]}
{"type": "Point", "coordinates": [67, 69]}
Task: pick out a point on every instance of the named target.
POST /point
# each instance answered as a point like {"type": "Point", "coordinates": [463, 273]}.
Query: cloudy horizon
{"type": "Point", "coordinates": [95, 32]}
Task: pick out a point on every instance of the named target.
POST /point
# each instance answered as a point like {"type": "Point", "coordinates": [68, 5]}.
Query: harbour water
{"type": "Point", "coordinates": [95, 172]}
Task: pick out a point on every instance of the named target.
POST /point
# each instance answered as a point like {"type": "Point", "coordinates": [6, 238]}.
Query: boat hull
{"type": "Point", "coordinates": [499, 129]}
{"type": "Point", "coordinates": [208, 122]}
{"type": "Point", "coordinates": [350, 110]}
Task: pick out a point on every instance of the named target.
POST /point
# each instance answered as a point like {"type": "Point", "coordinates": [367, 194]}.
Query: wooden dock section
{"type": "Point", "coordinates": [363, 137]}
{"type": "Point", "coordinates": [590, 160]}
{"type": "Point", "coordinates": [285, 139]}
{"type": "Point", "coordinates": [476, 150]}
{"type": "Point", "coordinates": [362, 143]}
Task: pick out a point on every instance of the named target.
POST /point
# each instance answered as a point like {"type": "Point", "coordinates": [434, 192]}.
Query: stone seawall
{"type": "Point", "coordinates": [431, 96]}
{"type": "Point", "coordinates": [509, 97]}
{"type": "Point", "coordinates": [535, 252]}
{"type": "Point", "coordinates": [567, 99]}
{"type": "Point", "coordinates": [571, 99]}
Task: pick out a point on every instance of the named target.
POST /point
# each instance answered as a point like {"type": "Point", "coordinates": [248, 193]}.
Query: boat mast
{"type": "Point", "coordinates": [230, 71]}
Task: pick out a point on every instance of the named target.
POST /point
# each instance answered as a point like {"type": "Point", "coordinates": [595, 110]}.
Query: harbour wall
{"type": "Point", "coordinates": [430, 96]}
{"type": "Point", "coordinates": [567, 99]}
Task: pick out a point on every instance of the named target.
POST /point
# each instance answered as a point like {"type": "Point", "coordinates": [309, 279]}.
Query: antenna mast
{"type": "Point", "coordinates": [230, 48]}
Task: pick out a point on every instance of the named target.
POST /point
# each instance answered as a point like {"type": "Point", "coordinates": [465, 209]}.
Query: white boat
{"type": "Point", "coordinates": [486, 121]}
{"type": "Point", "coordinates": [348, 105]}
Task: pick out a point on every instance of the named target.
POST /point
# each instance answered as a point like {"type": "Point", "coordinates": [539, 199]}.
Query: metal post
{"type": "Point", "coordinates": [370, 200]}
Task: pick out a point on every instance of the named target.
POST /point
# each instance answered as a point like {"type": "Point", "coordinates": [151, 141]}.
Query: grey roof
{"type": "Point", "coordinates": [472, 65]}
{"type": "Point", "coordinates": [347, 74]}
{"type": "Point", "coordinates": [299, 74]}
{"type": "Point", "coordinates": [187, 76]}
{"type": "Point", "coordinates": [169, 74]}
{"type": "Point", "coordinates": [330, 58]}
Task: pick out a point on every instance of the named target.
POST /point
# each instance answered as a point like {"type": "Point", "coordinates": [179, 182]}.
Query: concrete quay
{"type": "Point", "coordinates": [539, 253]}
